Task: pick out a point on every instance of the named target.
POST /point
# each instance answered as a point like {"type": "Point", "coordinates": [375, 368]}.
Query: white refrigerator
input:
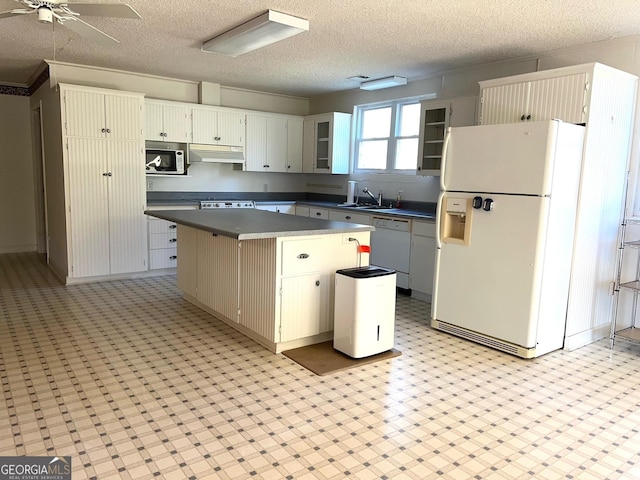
{"type": "Point", "coordinates": [505, 233]}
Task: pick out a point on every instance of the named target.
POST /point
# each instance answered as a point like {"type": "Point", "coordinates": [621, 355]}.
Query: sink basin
{"type": "Point", "coordinates": [370, 207]}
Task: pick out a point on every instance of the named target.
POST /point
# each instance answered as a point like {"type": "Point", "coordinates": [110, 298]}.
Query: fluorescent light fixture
{"type": "Point", "coordinates": [385, 82]}
{"type": "Point", "coordinates": [268, 28]}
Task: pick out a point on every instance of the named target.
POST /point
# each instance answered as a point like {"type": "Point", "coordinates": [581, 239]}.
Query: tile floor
{"type": "Point", "coordinates": [133, 382]}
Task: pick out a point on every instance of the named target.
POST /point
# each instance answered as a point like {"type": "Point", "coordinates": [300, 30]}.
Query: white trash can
{"type": "Point", "coordinates": [365, 311]}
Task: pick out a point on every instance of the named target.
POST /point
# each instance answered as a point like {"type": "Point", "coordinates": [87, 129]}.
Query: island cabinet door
{"type": "Point", "coordinates": [305, 306]}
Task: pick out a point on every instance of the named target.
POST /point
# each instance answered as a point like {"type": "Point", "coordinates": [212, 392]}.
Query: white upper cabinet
{"type": "Point", "coordinates": [294, 145]}
{"type": "Point", "coordinates": [558, 97]}
{"type": "Point", "coordinates": [218, 127]}
{"type": "Point", "coordinates": [326, 144]}
{"type": "Point", "coordinates": [274, 143]}
{"type": "Point", "coordinates": [93, 114]}
{"type": "Point", "coordinates": [167, 121]}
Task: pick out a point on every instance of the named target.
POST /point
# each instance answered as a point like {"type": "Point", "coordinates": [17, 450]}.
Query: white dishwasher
{"type": "Point", "coordinates": [391, 246]}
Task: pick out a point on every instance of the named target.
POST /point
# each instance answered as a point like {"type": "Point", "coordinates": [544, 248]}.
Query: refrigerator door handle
{"type": "Point", "coordinates": [443, 161]}
{"type": "Point", "coordinates": [438, 220]}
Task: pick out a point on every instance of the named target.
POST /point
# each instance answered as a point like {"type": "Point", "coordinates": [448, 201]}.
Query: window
{"type": "Point", "coordinates": [387, 136]}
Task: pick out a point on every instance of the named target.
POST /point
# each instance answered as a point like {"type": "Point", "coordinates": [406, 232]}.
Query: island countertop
{"type": "Point", "coordinates": [250, 224]}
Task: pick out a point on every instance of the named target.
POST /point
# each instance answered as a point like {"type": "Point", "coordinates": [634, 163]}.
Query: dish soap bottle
{"type": "Point", "coordinates": [398, 199]}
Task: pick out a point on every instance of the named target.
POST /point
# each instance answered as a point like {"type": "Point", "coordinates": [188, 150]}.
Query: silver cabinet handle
{"type": "Point", "coordinates": [302, 256]}
{"type": "Point", "coordinates": [173, 257]}
{"type": "Point", "coordinates": [173, 240]}
{"type": "Point", "coordinates": [173, 226]}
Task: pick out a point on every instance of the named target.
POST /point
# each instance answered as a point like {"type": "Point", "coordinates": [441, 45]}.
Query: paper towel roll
{"type": "Point", "coordinates": [351, 190]}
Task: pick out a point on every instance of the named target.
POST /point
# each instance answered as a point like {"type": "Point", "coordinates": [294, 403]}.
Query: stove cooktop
{"type": "Point", "coordinates": [213, 204]}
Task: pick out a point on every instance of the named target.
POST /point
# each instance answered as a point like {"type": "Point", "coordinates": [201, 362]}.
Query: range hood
{"type": "Point", "coordinates": [215, 153]}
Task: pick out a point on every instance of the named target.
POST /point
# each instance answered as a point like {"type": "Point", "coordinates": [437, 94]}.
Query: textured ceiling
{"type": "Point", "coordinates": [412, 38]}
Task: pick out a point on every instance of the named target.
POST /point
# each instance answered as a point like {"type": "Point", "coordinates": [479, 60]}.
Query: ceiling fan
{"type": "Point", "coordinates": [68, 15]}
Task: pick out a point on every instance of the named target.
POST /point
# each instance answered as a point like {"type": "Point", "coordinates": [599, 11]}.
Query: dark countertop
{"type": "Point", "coordinates": [400, 212]}
{"type": "Point", "coordinates": [250, 224]}
{"type": "Point", "coordinates": [396, 212]}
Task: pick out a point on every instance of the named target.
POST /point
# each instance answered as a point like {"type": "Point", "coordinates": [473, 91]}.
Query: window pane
{"type": "Point", "coordinates": [376, 123]}
{"type": "Point", "coordinates": [406, 154]}
{"type": "Point", "coordinates": [409, 120]}
{"type": "Point", "coordinates": [373, 155]}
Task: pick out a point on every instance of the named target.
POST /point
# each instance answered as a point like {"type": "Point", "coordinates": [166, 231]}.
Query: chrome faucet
{"type": "Point", "coordinates": [377, 200]}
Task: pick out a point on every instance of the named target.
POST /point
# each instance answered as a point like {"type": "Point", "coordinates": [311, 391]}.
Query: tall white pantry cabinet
{"type": "Point", "coordinates": [603, 99]}
{"type": "Point", "coordinates": [105, 194]}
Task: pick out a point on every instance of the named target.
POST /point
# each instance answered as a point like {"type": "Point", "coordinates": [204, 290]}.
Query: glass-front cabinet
{"type": "Point", "coordinates": [435, 117]}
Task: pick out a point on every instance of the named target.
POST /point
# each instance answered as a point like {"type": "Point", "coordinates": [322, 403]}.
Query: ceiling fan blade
{"type": "Point", "coordinates": [116, 10]}
{"type": "Point", "coordinates": [88, 31]}
{"type": "Point", "coordinates": [16, 12]}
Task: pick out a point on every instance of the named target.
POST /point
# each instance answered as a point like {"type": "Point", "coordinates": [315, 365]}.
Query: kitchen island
{"type": "Point", "coordinates": [268, 275]}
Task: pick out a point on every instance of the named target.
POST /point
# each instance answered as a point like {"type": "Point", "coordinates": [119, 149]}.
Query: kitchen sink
{"type": "Point", "coordinates": [371, 207]}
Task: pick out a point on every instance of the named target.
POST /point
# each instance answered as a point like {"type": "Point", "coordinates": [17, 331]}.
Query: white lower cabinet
{"type": "Point", "coordinates": [349, 217]}
{"type": "Point", "coordinates": [163, 238]}
{"type": "Point", "coordinates": [277, 291]}
{"type": "Point", "coordinates": [308, 295]}
{"type": "Point", "coordinates": [288, 208]}
{"type": "Point", "coordinates": [322, 213]}
{"type": "Point", "coordinates": [302, 211]}
{"type": "Point", "coordinates": [423, 255]}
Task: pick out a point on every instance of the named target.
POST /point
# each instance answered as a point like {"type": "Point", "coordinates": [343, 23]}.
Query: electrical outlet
{"type": "Point", "coordinates": [149, 185]}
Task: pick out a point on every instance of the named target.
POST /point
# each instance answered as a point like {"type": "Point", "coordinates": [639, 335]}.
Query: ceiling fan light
{"type": "Point", "coordinates": [268, 28]}
{"type": "Point", "coordinates": [386, 82]}
{"type": "Point", "coordinates": [45, 15]}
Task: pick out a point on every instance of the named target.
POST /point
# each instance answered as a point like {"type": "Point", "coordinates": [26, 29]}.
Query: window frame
{"type": "Point", "coordinates": [392, 139]}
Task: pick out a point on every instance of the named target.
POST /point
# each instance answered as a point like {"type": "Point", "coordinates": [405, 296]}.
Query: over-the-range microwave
{"type": "Point", "coordinates": [164, 162]}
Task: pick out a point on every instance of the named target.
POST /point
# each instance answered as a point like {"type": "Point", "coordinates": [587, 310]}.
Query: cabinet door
{"type": "Point", "coordinates": [294, 145]}
{"type": "Point", "coordinates": [127, 200]}
{"type": "Point", "coordinates": [434, 120]}
{"type": "Point", "coordinates": [276, 144]}
{"type": "Point", "coordinates": [231, 128]}
{"type": "Point", "coordinates": [308, 145]}
{"type": "Point", "coordinates": [154, 125]}
{"type": "Point", "coordinates": [256, 151]}
{"type": "Point", "coordinates": [88, 219]}
{"type": "Point", "coordinates": [422, 264]}
{"type": "Point", "coordinates": [123, 117]}
{"type": "Point", "coordinates": [323, 145]}
{"type": "Point", "coordinates": [175, 120]}
{"type": "Point", "coordinates": [463, 111]}
{"type": "Point", "coordinates": [305, 306]}
{"type": "Point", "coordinates": [504, 104]}
{"type": "Point", "coordinates": [204, 124]}
{"type": "Point", "coordinates": [558, 97]}
{"type": "Point", "coordinates": [84, 114]}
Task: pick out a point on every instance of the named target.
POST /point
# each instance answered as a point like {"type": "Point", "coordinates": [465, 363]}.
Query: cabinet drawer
{"type": "Point", "coordinates": [163, 240]}
{"type": "Point", "coordinates": [157, 225]}
{"type": "Point", "coordinates": [349, 217]}
{"type": "Point", "coordinates": [163, 258]}
{"type": "Point", "coordinates": [427, 229]}
{"type": "Point", "coordinates": [301, 256]}
{"type": "Point", "coordinates": [319, 213]}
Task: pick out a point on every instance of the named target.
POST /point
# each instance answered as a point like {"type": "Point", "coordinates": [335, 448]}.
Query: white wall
{"type": "Point", "coordinates": [219, 177]}
{"type": "Point", "coordinates": [17, 204]}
